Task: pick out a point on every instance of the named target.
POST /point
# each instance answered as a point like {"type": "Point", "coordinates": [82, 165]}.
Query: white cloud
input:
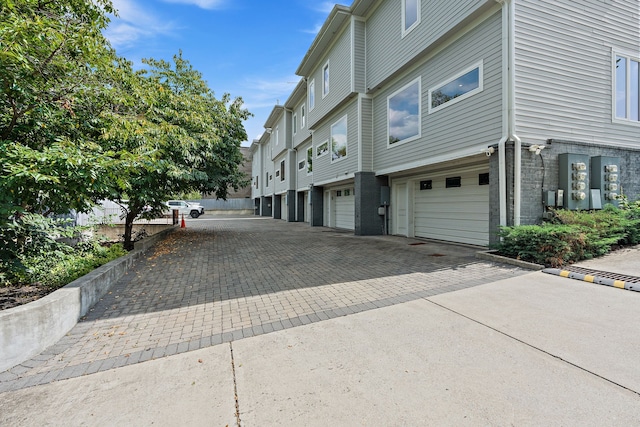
{"type": "Point", "coordinates": [134, 23]}
{"type": "Point", "coordinates": [325, 7]}
{"type": "Point", "coordinates": [204, 4]}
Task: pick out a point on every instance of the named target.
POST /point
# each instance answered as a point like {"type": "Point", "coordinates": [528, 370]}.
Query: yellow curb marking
{"type": "Point", "coordinates": [588, 278]}
{"type": "Point", "coordinates": [564, 273]}
{"type": "Point", "coordinates": [618, 284]}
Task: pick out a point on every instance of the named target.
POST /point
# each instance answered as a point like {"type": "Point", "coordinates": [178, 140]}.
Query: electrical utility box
{"type": "Point", "coordinates": [605, 176]}
{"type": "Point", "coordinates": [573, 179]}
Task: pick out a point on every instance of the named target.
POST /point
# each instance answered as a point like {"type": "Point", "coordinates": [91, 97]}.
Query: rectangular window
{"type": "Point", "coordinates": [339, 139]}
{"type": "Point", "coordinates": [266, 180]}
{"type": "Point", "coordinates": [295, 124]}
{"type": "Point", "coordinates": [309, 160]}
{"type": "Point", "coordinates": [325, 80]}
{"type": "Point", "coordinates": [277, 135]}
{"type": "Point", "coordinates": [483, 179]}
{"type": "Point", "coordinates": [257, 181]}
{"type": "Point", "coordinates": [282, 177]}
{"type": "Point", "coordinates": [278, 173]}
{"type": "Point", "coordinates": [410, 15]}
{"type": "Point", "coordinates": [454, 182]}
{"type": "Point", "coordinates": [426, 185]}
{"type": "Point", "coordinates": [404, 114]}
{"type": "Point", "coordinates": [322, 149]}
{"type": "Point", "coordinates": [303, 120]}
{"type": "Point", "coordinates": [301, 164]}
{"type": "Point", "coordinates": [311, 93]}
{"type": "Point", "coordinates": [461, 86]}
{"type": "Point", "coordinates": [627, 88]}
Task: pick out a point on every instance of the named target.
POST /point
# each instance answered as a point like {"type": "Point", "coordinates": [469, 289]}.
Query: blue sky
{"type": "Point", "coordinates": [248, 48]}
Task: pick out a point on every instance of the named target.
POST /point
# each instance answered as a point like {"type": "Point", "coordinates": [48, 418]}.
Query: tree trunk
{"type": "Point", "coordinates": [128, 230]}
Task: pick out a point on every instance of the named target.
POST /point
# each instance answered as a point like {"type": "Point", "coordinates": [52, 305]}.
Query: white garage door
{"type": "Point", "coordinates": [453, 207]}
{"type": "Point", "coordinates": [345, 208]}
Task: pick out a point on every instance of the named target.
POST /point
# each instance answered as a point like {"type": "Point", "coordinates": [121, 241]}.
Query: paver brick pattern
{"type": "Point", "coordinates": [227, 278]}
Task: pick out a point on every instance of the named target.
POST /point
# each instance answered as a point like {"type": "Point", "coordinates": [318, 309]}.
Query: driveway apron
{"type": "Point", "coordinates": [222, 279]}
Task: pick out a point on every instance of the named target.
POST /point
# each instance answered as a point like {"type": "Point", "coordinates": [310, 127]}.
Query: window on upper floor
{"type": "Point", "coordinates": [309, 160]}
{"type": "Point", "coordinates": [461, 86]}
{"type": "Point", "coordinates": [303, 117]}
{"type": "Point", "coordinates": [627, 88]}
{"type": "Point", "coordinates": [410, 15]}
{"type": "Point", "coordinates": [322, 149]}
{"type": "Point", "coordinates": [282, 165]}
{"type": "Point", "coordinates": [266, 180]}
{"type": "Point", "coordinates": [301, 164]}
{"type": "Point", "coordinates": [311, 94]}
{"type": "Point", "coordinates": [277, 133]}
{"type": "Point", "coordinates": [339, 139]}
{"type": "Point", "coordinates": [404, 114]}
{"type": "Point", "coordinates": [295, 124]}
{"type": "Point", "coordinates": [325, 80]}
{"type": "Point", "coordinates": [256, 183]}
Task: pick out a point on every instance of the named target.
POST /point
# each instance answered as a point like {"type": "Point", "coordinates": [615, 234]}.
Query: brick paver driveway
{"type": "Point", "coordinates": [226, 278]}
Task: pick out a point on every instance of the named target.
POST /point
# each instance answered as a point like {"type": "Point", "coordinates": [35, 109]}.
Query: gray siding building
{"type": "Point", "coordinates": [445, 120]}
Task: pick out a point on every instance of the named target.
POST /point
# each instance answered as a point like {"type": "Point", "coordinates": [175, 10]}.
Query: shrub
{"type": "Point", "coordinates": [573, 235]}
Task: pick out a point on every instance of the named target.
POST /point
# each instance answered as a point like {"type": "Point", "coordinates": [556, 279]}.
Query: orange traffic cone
{"type": "Point", "coordinates": [183, 224]}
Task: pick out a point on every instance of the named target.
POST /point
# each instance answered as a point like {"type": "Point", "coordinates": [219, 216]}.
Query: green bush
{"type": "Point", "coordinates": [33, 251]}
{"type": "Point", "coordinates": [573, 235]}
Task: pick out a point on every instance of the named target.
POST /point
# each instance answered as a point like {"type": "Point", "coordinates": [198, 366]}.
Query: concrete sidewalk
{"type": "Point", "coordinates": [534, 350]}
{"type": "Point", "coordinates": [426, 336]}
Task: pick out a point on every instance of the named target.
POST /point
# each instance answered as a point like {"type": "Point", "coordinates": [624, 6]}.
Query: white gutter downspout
{"type": "Point", "coordinates": [517, 149]}
{"type": "Point", "coordinates": [502, 162]}
{"type": "Point", "coordinates": [508, 115]}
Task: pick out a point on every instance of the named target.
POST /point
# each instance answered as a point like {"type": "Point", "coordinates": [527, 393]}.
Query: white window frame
{"type": "Point", "coordinates": [266, 180]}
{"type": "Point", "coordinates": [419, 135]}
{"type": "Point", "coordinates": [310, 158]}
{"type": "Point", "coordinates": [614, 80]}
{"type": "Point", "coordinates": [480, 88]}
{"type": "Point", "coordinates": [311, 94]}
{"type": "Point", "coordinates": [406, 30]}
{"type": "Point", "coordinates": [303, 117]}
{"type": "Point", "coordinates": [326, 151]}
{"type": "Point", "coordinates": [278, 173]}
{"type": "Point", "coordinates": [277, 132]}
{"type": "Point", "coordinates": [301, 164]}
{"type": "Point", "coordinates": [283, 166]}
{"type": "Point", "coordinates": [326, 78]}
{"type": "Point", "coordinates": [295, 124]}
{"type": "Point", "coordinates": [346, 148]}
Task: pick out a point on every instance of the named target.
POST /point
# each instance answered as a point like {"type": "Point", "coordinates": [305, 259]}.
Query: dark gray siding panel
{"type": "Point", "coordinates": [387, 49]}
{"type": "Point", "coordinates": [366, 134]}
{"type": "Point", "coordinates": [564, 69]}
{"type": "Point", "coordinates": [462, 126]}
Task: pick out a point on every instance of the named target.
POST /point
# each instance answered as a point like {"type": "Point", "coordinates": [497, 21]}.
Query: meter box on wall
{"type": "Point", "coordinates": [605, 176]}
{"type": "Point", "coordinates": [573, 178]}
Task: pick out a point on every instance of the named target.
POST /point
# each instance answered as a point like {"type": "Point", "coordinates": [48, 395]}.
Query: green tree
{"type": "Point", "coordinates": [52, 56]}
{"type": "Point", "coordinates": [178, 138]}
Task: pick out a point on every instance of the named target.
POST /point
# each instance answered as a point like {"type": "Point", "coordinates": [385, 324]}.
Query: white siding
{"type": "Point", "coordinates": [564, 69]}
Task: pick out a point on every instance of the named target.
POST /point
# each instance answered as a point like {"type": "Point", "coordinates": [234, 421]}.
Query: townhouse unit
{"type": "Point", "coordinates": [446, 119]}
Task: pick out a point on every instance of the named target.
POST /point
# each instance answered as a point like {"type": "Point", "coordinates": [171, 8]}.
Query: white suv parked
{"type": "Point", "coordinates": [184, 208]}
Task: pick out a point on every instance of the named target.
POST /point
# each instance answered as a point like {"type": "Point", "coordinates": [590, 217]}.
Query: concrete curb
{"type": "Point", "coordinates": [492, 256]}
{"type": "Point", "coordinates": [594, 279]}
{"type": "Point", "coordinates": [27, 330]}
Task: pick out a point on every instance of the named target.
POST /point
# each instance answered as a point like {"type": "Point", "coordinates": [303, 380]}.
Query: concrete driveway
{"type": "Point", "coordinates": [269, 323]}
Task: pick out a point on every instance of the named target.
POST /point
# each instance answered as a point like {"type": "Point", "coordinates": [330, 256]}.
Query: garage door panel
{"type": "Point", "coordinates": [345, 212]}
{"type": "Point", "coordinates": [459, 214]}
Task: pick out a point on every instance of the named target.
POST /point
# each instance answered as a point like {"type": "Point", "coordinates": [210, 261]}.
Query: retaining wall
{"type": "Point", "coordinates": [27, 330]}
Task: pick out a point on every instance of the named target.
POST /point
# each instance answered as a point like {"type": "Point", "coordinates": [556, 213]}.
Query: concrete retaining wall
{"type": "Point", "coordinates": [27, 330]}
